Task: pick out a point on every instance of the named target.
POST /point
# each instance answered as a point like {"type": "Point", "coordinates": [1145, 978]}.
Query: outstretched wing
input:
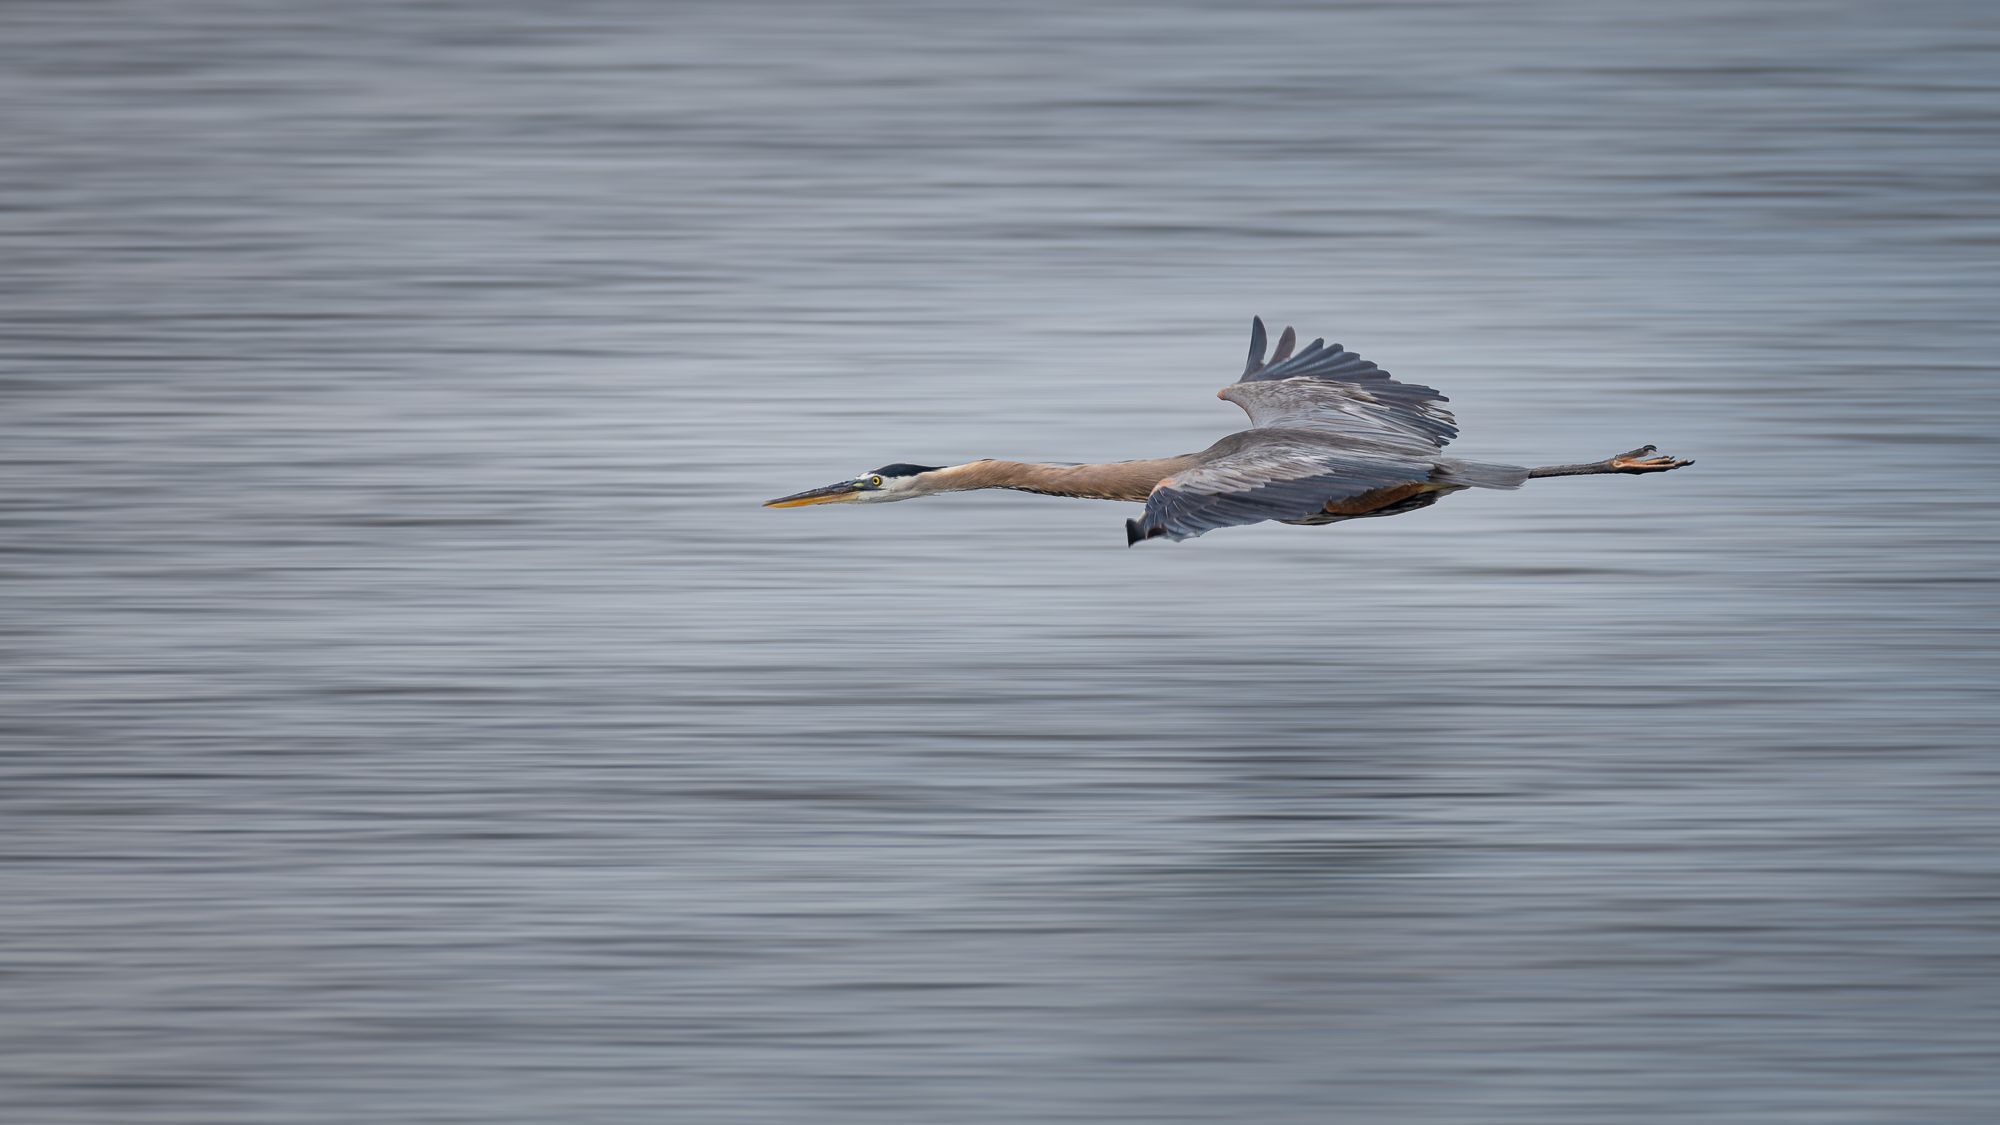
{"type": "Point", "coordinates": [1331, 390]}
{"type": "Point", "coordinates": [1332, 435]}
{"type": "Point", "coordinates": [1256, 476]}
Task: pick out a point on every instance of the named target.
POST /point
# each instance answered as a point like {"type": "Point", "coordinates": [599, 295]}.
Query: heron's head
{"type": "Point", "coordinates": [890, 482]}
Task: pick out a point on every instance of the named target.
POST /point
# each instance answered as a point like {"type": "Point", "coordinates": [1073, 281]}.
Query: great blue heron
{"type": "Point", "coordinates": [1332, 437]}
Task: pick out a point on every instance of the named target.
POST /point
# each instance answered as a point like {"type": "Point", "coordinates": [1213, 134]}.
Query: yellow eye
{"type": "Point", "coordinates": [876, 481]}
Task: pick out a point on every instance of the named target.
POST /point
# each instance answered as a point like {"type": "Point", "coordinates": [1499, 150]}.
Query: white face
{"type": "Point", "coordinates": [879, 489]}
{"type": "Point", "coordinates": [869, 488]}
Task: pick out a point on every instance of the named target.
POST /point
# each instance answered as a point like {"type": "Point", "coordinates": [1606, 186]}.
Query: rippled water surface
{"type": "Point", "coordinates": [410, 715]}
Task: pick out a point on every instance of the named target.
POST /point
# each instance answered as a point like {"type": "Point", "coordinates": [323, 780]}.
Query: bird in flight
{"type": "Point", "coordinates": [1332, 437]}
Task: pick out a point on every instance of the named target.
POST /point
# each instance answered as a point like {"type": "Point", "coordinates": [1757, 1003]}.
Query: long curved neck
{"type": "Point", "coordinates": [1115, 480]}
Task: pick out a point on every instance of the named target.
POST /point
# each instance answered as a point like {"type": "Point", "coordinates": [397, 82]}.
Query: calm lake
{"type": "Point", "coordinates": [408, 714]}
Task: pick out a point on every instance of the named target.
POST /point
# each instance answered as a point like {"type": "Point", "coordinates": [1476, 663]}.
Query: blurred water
{"type": "Point", "coordinates": [411, 716]}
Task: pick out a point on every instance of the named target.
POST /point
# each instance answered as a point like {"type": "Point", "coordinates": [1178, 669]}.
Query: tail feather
{"type": "Point", "coordinates": [1479, 474]}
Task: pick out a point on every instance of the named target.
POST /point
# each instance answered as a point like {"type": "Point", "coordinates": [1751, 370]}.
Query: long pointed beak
{"type": "Point", "coordinates": [831, 494]}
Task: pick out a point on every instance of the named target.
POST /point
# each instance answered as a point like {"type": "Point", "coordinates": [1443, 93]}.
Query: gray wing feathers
{"type": "Point", "coordinates": [1401, 416]}
{"type": "Point", "coordinates": [1285, 343]}
{"type": "Point", "coordinates": [1332, 390]}
{"type": "Point", "coordinates": [1267, 479]}
{"type": "Point", "coordinates": [1328, 427]}
{"type": "Point", "coordinates": [1318, 359]}
{"type": "Point", "coordinates": [1256, 359]}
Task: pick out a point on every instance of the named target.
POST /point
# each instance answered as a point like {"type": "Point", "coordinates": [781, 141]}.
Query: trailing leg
{"type": "Point", "coordinates": [1645, 459]}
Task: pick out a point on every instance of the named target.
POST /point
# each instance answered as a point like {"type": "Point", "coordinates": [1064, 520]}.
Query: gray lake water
{"type": "Point", "coordinates": [410, 715]}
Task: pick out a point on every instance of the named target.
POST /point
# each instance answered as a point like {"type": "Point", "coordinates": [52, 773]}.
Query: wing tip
{"type": "Point", "coordinates": [1287, 340]}
{"type": "Point", "coordinates": [1256, 359]}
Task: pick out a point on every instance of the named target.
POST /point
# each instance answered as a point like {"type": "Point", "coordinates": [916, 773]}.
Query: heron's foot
{"type": "Point", "coordinates": [1645, 459]}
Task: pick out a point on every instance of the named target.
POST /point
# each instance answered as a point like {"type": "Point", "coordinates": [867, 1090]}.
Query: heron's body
{"type": "Point", "coordinates": [1332, 438]}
